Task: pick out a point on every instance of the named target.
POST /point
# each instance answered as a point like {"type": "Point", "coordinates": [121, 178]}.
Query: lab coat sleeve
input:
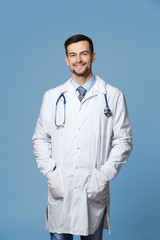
{"type": "Point", "coordinates": [42, 142]}
{"type": "Point", "coordinates": [121, 140]}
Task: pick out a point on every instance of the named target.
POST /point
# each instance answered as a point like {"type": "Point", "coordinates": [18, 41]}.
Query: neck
{"type": "Point", "coordinates": [81, 80]}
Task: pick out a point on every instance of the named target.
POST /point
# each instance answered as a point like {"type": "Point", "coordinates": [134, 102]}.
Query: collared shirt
{"type": "Point", "coordinates": [88, 85]}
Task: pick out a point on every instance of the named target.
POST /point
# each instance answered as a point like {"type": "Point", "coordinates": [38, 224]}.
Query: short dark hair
{"type": "Point", "coordinates": [78, 38]}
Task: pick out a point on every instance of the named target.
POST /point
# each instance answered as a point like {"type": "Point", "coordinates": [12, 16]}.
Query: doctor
{"type": "Point", "coordinates": [79, 147]}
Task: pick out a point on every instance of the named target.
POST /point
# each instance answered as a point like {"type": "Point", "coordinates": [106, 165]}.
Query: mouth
{"type": "Point", "coordinates": [78, 66]}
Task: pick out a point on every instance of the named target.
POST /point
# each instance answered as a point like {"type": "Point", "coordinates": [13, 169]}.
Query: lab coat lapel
{"type": "Point", "coordinates": [89, 95]}
{"type": "Point", "coordinates": [99, 87]}
{"type": "Point", "coordinates": [70, 92]}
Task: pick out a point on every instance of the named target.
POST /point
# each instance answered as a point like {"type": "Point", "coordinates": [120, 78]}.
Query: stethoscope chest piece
{"type": "Point", "coordinates": [107, 112]}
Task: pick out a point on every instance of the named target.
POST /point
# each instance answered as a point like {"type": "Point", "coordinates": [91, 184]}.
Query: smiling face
{"type": "Point", "coordinates": [79, 58]}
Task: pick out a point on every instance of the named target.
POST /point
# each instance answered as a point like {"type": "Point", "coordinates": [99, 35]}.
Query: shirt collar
{"type": "Point", "coordinates": [99, 86]}
{"type": "Point", "coordinates": [88, 85]}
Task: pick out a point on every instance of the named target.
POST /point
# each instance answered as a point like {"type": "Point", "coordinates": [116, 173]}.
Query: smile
{"type": "Point", "coordinates": [79, 65]}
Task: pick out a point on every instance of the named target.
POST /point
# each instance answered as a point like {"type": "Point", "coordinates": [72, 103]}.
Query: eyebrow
{"type": "Point", "coordinates": [80, 52]}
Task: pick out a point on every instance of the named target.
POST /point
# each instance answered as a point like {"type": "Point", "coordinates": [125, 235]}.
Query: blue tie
{"type": "Point", "coordinates": [82, 91]}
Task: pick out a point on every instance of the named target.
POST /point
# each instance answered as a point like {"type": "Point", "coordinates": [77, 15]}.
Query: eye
{"type": "Point", "coordinates": [72, 55]}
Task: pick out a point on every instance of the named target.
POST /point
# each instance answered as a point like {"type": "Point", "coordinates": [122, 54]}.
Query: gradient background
{"type": "Point", "coordinates": [126, 35]}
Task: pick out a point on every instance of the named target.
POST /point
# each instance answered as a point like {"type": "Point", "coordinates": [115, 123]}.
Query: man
{"type": "Point", "coordinates": [82, 137]}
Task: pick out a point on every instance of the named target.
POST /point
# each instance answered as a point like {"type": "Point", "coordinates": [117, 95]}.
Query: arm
{"type": "Point", "coordinates": [121, 140]}
{"type": "Point", "coordinates": [42, 142]}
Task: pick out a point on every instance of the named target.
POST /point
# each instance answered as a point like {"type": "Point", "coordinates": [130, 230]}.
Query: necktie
{"type": "Point", "coordinates": [82, 91]}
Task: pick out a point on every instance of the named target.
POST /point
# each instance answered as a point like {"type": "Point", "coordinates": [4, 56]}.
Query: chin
{"type": "Point", "coordinates": [81, 74]}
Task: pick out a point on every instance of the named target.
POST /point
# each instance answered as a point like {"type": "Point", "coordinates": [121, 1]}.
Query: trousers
{"type": "Point", "coordinates": [95, 236]}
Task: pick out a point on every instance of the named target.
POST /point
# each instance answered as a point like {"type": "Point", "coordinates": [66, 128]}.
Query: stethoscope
{"type": "Point", "coordinates": [107, 110]}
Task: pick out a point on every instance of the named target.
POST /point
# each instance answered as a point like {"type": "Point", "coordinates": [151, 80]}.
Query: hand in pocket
{"type": "Point", "coordinates": [97, 187]}
{"type": "Point", "coordinates": [55, 185]}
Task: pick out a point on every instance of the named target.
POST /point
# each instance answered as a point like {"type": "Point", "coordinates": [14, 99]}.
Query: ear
{"type": "Point", "coordinates": [66, 58]}
{"type": "Point", "coordinates": [93, 57]}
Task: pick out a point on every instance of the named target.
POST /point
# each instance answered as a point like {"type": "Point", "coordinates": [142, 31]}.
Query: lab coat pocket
{"type": "Point", "coordinates": [55, 185]}
{"type": "Point", "coordinates": [97, 187]}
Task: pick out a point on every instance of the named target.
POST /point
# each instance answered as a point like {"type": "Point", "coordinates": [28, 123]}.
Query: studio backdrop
{"type": "Point", "coordinates": [126, 36]}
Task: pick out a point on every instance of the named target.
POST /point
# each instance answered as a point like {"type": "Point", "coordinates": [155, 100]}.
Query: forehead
{"type": "Point", "coordinates": [79, 47]}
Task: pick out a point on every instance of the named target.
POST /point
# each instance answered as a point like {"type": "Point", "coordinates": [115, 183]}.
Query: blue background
{"type": "Point", "coordinates": [126, 35]}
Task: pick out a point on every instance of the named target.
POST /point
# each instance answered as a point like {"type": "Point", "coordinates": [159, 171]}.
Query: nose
{"type": "Point", "coordinates": [78, 59]}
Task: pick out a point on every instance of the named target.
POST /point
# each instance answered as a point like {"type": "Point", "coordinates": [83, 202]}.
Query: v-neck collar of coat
{"type": "Point", "coordinates": [99, 87]}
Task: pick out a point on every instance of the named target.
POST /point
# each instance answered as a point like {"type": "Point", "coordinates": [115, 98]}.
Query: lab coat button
{"type": "Point", "coordinates": [78, 148]}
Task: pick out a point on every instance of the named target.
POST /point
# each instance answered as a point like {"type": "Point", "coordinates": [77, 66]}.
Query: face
{"type": "Point", "coordinates": [80, 58]}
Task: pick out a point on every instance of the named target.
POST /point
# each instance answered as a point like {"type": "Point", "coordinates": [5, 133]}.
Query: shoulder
{"type": "Point", "coordinates": [115, 97]}
{"type": "Point", "coordinates": [54, 93]}
{"type": "Point", "coordinates": [107, 88]}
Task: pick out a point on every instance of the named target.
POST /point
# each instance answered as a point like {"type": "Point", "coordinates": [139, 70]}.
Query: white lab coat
{"type": "Point", "coordinates": [88, 152]}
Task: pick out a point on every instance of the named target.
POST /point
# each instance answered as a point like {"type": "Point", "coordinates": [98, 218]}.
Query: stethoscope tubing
{"type": "Point", "coordinates": [64, 120]}
{"type": "Point", "coordinates": [107, 111]}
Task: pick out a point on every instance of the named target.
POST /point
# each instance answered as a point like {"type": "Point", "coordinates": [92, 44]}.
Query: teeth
{"type": "Point", "coordinates": [78, 66]}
